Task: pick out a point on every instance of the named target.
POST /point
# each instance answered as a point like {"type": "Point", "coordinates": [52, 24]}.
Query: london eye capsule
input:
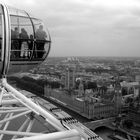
{"type": "Point", "coordinates": [24, 40]}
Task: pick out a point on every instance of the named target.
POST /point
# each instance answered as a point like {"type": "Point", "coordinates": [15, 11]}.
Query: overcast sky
{"type": "Point", "coordinates": [88, 27]}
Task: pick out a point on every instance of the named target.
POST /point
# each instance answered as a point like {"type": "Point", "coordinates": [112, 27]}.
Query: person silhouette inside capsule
{"type": "Point", "coordinates": [31, 45]}
{"type": "Point", "coordinates": [15, 42]}
{"type": "Point", "coordinates": [40, 36]}
{"type": "Point", "coordinates": [24, 43]}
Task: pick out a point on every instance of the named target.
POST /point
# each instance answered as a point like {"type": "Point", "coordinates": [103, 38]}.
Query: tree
{"type": "Point", "coordinates": [104, 88]}
{"type": "Point", "coordinates": [77, 82]}
{"type": "Point", "coordinates": [124, 91]}
{"type": "Point", "coordinates": [91, 85]}
{"type": "Point", "coordinates": [128, 124]}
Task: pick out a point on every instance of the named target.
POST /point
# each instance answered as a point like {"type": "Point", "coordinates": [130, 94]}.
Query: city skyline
{"type": "Point", "coordinates": [87, 27]}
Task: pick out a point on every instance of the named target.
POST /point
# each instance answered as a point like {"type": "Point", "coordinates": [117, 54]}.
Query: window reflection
{"type": "Point", "coordinates": [17, 12]}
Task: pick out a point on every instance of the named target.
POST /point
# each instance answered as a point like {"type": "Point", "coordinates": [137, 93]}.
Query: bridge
{"type": "Point", "coordinates": [98, 123]}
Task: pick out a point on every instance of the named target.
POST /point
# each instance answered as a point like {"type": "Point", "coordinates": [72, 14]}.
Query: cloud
{"type": "Point", "coordinates": [95, 27]}
{"type": "Point", "coordinates": [18, 3]}
{"type": "Point", "coordinates": [117, 4]}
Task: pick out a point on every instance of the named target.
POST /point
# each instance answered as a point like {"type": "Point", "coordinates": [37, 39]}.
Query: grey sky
{"type": "Point", "coordinates": [88, 27]}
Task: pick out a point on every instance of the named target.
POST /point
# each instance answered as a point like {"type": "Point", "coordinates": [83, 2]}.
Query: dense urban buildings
{"type": "Point", "coordinates": [96, 88]}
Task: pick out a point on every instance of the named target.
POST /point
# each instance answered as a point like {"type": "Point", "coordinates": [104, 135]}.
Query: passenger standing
{"type": "Point", "coordinates": [40, 33]}
{"type": "Point", "coordinates": [15, 42]}
{"type": "Point", "coordinates": [31, 45]}
{"type": "Point", "coordinates": [15, 33]}
{"type": "Point", "coordinates": [40, 36]}
{"type": "Point", "coordinates": [24, 44]}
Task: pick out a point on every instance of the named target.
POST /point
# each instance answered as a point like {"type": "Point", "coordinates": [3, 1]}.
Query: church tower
{"type": "Point", "coordinates": [118, 97]}
{"type": "Point", "coordinates": [81, 89]}
{"type": "Point", "coordinates": [69, 78]}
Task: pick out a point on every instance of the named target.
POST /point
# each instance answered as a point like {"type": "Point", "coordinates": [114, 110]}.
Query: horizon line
{"type": "Point", "coordinates": [100, 56]}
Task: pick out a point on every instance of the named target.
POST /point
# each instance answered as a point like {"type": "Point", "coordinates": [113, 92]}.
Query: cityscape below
{"type": "Point", "coordinates": [85, 87]}
{"type": "Point", "coordinates": [102, 92]}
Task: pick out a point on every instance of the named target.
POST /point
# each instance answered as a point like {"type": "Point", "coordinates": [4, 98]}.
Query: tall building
{"type": "Point", "coordinates": [137, 78]}
{"type": "Point", "coordinates": [118, 97]}
{"type": "Point", "coordinates": [69, 78]}
{"type": "Point", "coordinates": [81, 89]}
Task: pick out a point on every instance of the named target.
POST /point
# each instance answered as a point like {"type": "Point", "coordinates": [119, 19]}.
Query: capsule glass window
{"type": "Point", "coordinates": [21, 37]}
{"type": "Point", "coordinates": [42, 43]}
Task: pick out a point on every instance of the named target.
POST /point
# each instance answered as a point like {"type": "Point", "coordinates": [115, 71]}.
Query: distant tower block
{"type": "Point", "coordinates": [118, 97]}
{"type": "Point", "coordinates": [81, 89]}
{"type": "Point", "coordinates": [70, 78]}
{"type": "Point", "coordinates": [63, 79]}
{"type": "Point", "coordinates": [137, 78]}
{"type": "Point", "coordinates": [47, 90]}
